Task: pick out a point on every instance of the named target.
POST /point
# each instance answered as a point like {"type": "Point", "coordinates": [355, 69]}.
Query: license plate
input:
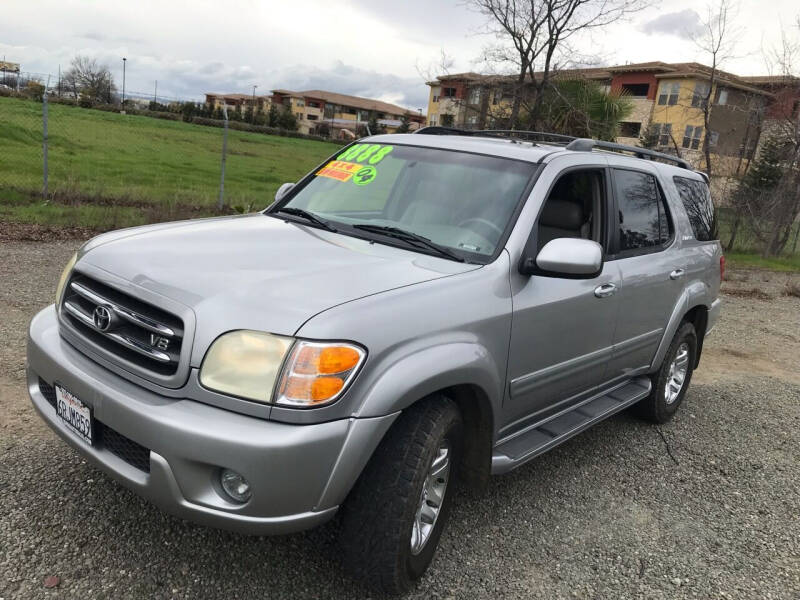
{"type": "Point", "coordinates": [74, 413]}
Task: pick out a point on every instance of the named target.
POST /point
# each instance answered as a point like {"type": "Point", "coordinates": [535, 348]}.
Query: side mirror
{"type": "Point", "coordinates": [566, 257]}
{"type": "Point", "coordinates": [283, 190]}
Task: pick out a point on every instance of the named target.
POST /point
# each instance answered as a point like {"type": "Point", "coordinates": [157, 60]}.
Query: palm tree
{"type": "Point", "coordinates": [584, 108]}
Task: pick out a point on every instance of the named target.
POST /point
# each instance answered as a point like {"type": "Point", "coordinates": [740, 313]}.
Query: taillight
{"type": "Point", "coordinates": [721, 268]}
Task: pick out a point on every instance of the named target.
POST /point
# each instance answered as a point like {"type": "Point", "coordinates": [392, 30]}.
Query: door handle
{"type": "Point", "coordinates": [676, 274]}
{"type": "Point", "coordinates": [605, 290]}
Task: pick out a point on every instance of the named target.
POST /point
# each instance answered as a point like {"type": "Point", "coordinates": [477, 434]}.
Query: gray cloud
{"type": "Point", "coordinates": [347, 79]}
{"type": "Point", "coordinates": [684, 24]}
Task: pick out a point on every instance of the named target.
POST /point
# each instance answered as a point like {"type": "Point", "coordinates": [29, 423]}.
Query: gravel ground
{"type": "Point", "coordinates": [707, 506]}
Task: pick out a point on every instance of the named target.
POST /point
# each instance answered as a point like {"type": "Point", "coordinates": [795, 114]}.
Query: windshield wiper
{"type": "Point", "coordinates": [408, 236]}
{"type": "Point", "coordinates": [308, 216]}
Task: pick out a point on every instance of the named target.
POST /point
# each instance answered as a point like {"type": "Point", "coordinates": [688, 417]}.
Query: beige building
{"type": "Point", "coordinates": [319, 111]}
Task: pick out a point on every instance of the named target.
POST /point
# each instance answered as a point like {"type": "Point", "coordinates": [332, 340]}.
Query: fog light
{"type": "Point", "coordinates": [235, 485]}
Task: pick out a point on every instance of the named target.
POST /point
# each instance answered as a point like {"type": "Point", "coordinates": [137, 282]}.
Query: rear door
{"type": "Point", "coordinates": [645, 249]}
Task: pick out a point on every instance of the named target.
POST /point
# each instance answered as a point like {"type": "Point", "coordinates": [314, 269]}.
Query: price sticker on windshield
{"type": "Point", "coordinates": [370, 154]}
{"type": "Point", "coordinates": [339, 170]}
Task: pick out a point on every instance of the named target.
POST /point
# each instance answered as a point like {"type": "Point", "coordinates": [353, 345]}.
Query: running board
{"type": "Point", "coordinates": [546, 435]}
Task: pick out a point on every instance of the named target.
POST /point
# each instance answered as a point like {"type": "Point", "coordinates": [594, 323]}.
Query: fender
{"type": "Point", "coordinates": [695, 294]}
{"type": "Point", "coordinates": [402, 383]}
{"type": "Point", "coordinates": [431, 369]}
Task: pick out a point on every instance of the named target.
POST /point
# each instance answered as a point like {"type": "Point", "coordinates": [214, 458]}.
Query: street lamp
{"type": "Point", "coordinates": [124, 61]}
{"type": "Point", "coordinates": [253, 112]}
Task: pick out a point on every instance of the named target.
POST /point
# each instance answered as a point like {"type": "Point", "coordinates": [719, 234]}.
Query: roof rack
{"type": "Point", "coordinates": [500, 133]}
{"type": "Point", "coordinates": [587, 145]}
{"type": "Point", "coordinates": [569, 142]}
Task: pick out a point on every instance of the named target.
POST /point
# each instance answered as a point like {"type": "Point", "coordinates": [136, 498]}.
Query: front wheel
{"type": "Point", "coordinates": [393, 518]}
{"type": "Point", "coordinates": [672, 379]}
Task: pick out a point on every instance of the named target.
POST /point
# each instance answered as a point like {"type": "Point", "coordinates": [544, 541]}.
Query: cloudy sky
{"type": "Point", "coordinates": [375, 48]}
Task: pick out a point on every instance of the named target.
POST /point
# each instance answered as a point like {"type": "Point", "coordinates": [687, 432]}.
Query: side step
{"type": "Point", "coordinates": [548, 434]}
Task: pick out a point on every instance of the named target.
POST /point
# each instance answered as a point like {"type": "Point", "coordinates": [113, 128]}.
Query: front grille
{"type": "Point", "coordinates": [134, 331]}
{"type": "Point", "coordinates": [132, 453]}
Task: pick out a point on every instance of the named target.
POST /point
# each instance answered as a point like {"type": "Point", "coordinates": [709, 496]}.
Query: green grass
{"type": "Point", "coordinates": [109, 170]}
{"type": "Point", "coordinates": [744, 260]}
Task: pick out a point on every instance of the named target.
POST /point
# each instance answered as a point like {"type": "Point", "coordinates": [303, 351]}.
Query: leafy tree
{"type": "Point", "coordinates": [375, 128]}
{"type": "Point", "coordinates": [188, 110]}
{"type": "Point", "coordinates": [447, 120]}
{"type": "Point", "coordinates": [272, 116]}
{"type": "Point", "coordinates": [218, 114]}
{"type": "Point", "coordinates": [405, 125]}
{"type": "Point", "coordinates": [648, 137]}
{"type": "Point", "coordinates": [287, 120]}
{"type": "Point", "coordinates": [248, 113]}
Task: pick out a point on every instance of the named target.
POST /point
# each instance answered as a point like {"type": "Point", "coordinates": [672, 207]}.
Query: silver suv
{"type": "Point", "coordinates": [419, 309]}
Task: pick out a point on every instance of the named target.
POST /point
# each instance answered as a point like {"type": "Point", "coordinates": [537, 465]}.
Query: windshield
{"type": "Point", "coordinates": [459, 201]}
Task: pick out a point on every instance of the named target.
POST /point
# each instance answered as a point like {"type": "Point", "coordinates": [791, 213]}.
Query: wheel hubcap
{"type": "Point", "coordinates": [677, 373]}
{"type": "Point", "coordinates": [432, 498]}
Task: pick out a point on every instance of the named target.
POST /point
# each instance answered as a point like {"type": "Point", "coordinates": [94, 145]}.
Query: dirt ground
{"type": "Point", "coordinates": [706, 506]}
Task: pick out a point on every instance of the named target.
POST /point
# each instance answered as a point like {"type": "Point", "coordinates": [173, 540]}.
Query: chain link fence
{"type": "Point", "coordinates": [103, 168]}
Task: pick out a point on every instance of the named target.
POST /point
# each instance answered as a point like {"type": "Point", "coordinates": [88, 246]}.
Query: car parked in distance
{"type": "Point", "coordinates": [419, 309]}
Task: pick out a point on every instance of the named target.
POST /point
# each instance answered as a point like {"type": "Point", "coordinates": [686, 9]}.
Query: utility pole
{"type": "Point", "coordinates": [124, 60]}
{"type": "Point", "coordinates": [253, 112]}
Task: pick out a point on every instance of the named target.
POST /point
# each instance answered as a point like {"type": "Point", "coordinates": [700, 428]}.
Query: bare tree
{"type": "Point", "coordinates": [769, 196]}
{"type": "Point", "coordinates": [529, 34]}
{"type": "Point", "coordinates": [87, 78]}
{"type": "Point", "coordinates": [716, 41]}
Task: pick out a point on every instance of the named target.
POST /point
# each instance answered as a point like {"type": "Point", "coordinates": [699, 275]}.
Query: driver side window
{"type": "Point", "coordinates": [573, 207]}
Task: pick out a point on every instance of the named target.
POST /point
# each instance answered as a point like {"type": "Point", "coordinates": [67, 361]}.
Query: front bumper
{"type": "Point", "coordinates": [298, 473]}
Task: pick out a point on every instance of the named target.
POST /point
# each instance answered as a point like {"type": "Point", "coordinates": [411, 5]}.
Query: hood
{"type": "Point", "coordinates": [257, 271]}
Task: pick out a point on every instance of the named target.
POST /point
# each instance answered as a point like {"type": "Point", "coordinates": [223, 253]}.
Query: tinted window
{"type": "Point", "coordinates": [699, 208]}
{"type": "Point", "coordinates": [643, 222]}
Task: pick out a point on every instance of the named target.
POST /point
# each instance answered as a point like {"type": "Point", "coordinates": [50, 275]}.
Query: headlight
{"type": "Point", "coordinates": [245, 363]}
{"type": "Point", "coordinates": [62, 282]}
{"type": "Point", "coordinates": [248, 364]}
{"type": "Point", "coordinates": [317, 373]}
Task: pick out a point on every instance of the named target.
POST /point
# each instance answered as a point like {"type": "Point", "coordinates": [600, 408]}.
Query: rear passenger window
{"type": "Point", "coordinates": [699, 207]}
{"type": "Point", "coordinates": [643, 220]}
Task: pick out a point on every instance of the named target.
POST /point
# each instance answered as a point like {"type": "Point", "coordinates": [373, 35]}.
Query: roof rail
{"type": "Point", "coordinates": [587, 145]}
{"type": "Point", "coordinates": [501, 133]}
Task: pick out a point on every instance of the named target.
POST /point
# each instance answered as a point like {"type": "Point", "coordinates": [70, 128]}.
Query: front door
{"type": "Point", "coordinates": [562, 328]}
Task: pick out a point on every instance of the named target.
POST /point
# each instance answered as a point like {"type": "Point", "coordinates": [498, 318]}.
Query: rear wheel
{"type": "Point", "coordinates": [393, 518]}
{"type": "Point", "coordinates": [672, 380]}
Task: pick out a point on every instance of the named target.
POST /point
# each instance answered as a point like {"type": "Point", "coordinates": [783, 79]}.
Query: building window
{"type": "Point", "coordinates": [449, 92]}
{"type": "Point", "coordinates": [435, 93]}
{"type": "Point", "coordinates": [691, 137]}
{"type": "Point", "coordinates": [669, 94]}
{"type": "Point", "coordinates": [714, 139]}
{"type": "Point", "coordinates": [723, 97]}
{"type": "Point", "coordinates": [663, 131]}
{"type": "Point", "coordinates": [496, 96]}
{"type": "Point", "coordinates": [637, 90]}
{"type": "Point", "coordinates": [313, 104]}
{"type": "Point", "coordinates": [701, 89]}
{"type": "Point", "coordinates": [432, 120]}
{"type": "Point", "coordinates": [475, 95]}
{"type": "Point", "coordinates": [312, 117]}
{"type": "Point", "coordinates": [630, 130]}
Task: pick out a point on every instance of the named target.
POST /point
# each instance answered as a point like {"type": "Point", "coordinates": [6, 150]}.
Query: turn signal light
{"type": "Point", "coordinates": [317, 373]}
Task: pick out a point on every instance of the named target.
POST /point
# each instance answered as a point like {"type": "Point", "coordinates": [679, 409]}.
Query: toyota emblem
{"type": "Point", "coordinates": [102, 318]}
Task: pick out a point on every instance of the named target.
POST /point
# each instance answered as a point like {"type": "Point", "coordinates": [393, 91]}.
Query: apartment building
{"type": "Point", "coordinates": [667, 100]}
{"type": "Point", "coordinates": [342, 114]}
{"type": "Point", "coordinates": [242, 101]}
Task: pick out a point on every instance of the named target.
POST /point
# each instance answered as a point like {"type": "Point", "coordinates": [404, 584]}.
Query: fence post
{"type": "Point", "coordinates": [221, 201]}
{"type": "Point", "coordinates": [44, 140]}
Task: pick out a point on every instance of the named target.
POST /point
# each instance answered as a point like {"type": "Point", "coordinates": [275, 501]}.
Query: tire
{"type": "Point", "coordinates": [379, 516]}
{"type": "Point", "coordinates": [661, 405]}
